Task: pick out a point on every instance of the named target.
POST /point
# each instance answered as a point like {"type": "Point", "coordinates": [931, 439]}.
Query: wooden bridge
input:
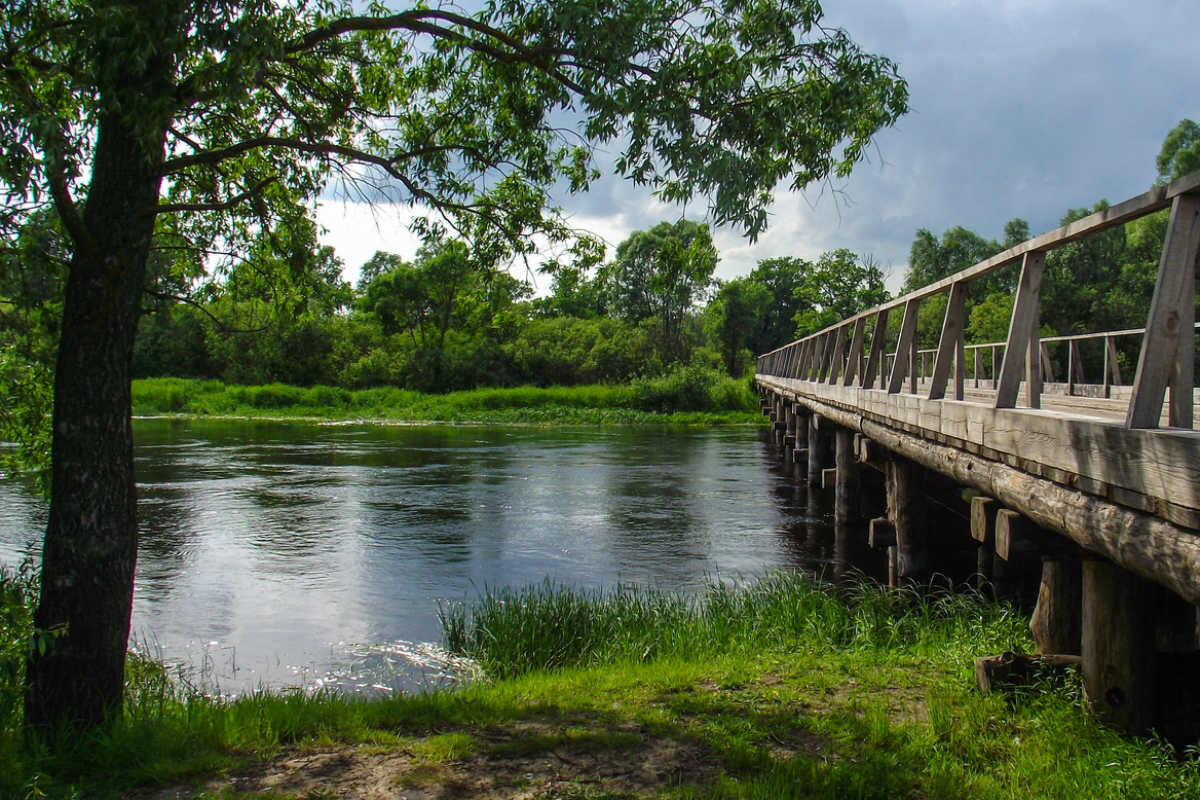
{"type": "Point", "coordinates": [1100, 480]}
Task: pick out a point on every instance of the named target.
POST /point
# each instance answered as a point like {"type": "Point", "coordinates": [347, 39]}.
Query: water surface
{"type": "Point", "coordinates": [283, 555]}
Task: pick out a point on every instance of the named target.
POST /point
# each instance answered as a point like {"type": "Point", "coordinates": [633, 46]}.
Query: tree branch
{"type": "Point", "coordinates": [253, 191]}
{"type": "Point", "coordinates": [189, 301]}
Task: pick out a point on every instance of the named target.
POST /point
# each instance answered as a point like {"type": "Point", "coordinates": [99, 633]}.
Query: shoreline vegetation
{"type": "Point", "coordinates": [769, 689]}
{"type": "Point", "coordinates": [685, 396]}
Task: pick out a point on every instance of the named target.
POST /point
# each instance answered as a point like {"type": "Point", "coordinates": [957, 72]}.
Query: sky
{"type": "Point", "coordinates": [1018, 108]}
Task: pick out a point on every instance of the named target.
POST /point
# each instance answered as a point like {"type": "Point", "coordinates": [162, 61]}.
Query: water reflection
{"type": "Point", "coordinates": [279, 554]}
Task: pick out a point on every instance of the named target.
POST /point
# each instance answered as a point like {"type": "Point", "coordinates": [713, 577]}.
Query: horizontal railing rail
{"type": "Point", "coordinates": [841, 353]}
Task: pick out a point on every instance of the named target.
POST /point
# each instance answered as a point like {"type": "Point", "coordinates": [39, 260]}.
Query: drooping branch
{"type": "Point", "coordinates": [221, 325]}
{"type": "Point", "coordinates": [225, 205]}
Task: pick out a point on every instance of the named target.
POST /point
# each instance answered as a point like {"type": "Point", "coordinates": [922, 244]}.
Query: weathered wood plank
{"type": "Point", "coordinates": [908, 332]}
{"type": "Point", "coordinates": [856, 347]}
{"type": "Point", "coordinates": [1169, 339]}
{"type": "Point", "coordinates": [953, 325]}
{"type": "Point", "coordinates": [1020, 331]}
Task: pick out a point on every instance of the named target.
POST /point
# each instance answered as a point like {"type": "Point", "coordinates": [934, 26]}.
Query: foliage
{"type": "Point", "coordinates": [1180, 152]}
{"type": "Point", "coordinates": [733, 317]}
{"type": "Point", "coordinates": [658, 275]}
{"type": "Point", "coordinates": [781, 277]}
{"type": "Point", "coordinates": [26, 399]}
{"type": "Point", "coordinates": [546, 626]}
{"type": "Point", "coordinates": [18, 592]}
{"type": "Point", "coordinates": [664, 399]}
{"type": "Point", "coordinates": [839, 285]}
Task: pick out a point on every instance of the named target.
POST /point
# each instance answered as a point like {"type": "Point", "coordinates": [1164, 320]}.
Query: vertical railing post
{"type": "Point", "coordinates": [1169, 346]}
{"type": "Point", "coordinates": [1021, 349]}
{"type": "Point", "coordinates": [854, 362]}
{"type": "Point", "coordinates": [1112, 366]}
{"type": "Point", "coordinates": [948, 344]}
{"type": "Point", "coordinates": [839, 351]}
{"type": "Point", "coordinates": [908, 339]}
{"type": "Point", "coordinates": [875, 361]}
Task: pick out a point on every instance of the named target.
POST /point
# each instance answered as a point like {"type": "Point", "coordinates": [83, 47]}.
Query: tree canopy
{"type": "Point", "coordinates": [196, 125]}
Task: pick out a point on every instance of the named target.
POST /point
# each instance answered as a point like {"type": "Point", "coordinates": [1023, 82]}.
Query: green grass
{"type": "Point", "coordinates": [688, 396]}
{"type": "Point", "coordinates": [774, 689]}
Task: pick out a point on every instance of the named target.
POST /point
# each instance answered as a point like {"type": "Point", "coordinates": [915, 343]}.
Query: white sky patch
{"type": "Point", "coordinates": [357, 230]}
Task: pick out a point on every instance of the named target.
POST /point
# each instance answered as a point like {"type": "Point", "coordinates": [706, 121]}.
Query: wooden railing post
{"type": "Point", "coordinates": [853, 364]}
{"type": "Point", "coordinates": [908, 337]}
{"type": "Point", "coordinates": [874, 371]}
{"type": "Point", "coordinates": [1169, 346]}
{"type": "Point", "coordinates": [1021, 349]}
{"type": "Point", "coordinates": [948, 346]}
{"type": "Point", "coordinates": [839, 352]}
{"type": "Point", "coordinates": [1112, 369]}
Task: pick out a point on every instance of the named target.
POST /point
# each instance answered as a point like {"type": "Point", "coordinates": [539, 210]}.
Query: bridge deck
{"type": "Point", "coordinates": [1080, 442]}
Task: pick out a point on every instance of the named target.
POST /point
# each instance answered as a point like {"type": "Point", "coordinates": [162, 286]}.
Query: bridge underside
{"type": "Point", "coordinates": [1107, 509]}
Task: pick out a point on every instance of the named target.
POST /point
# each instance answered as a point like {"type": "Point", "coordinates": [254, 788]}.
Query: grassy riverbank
{"type": "Point", "coordinates": [773, 690]}
{"type": "Point", "coordinates": [687, 396]}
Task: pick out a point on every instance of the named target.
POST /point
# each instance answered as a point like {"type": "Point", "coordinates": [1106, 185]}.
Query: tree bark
{"type": "Point", "coordinates": [90, 549]}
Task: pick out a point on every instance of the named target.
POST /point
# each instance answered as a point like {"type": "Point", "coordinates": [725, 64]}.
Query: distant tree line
{"type": "Point", "coordinates": [282, 311]}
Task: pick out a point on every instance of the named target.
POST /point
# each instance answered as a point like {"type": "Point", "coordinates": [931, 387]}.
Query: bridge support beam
{"type": "Point", "coordinates": [1057, 618]}
{"type": "Point", "coordinates": [818, 449]}
{"type": "Point", "coordinates": [907, 513]}
{"type": "Point", "coordinates": [1118, 646]}
{"type": "Point", "coordinates": [847, 496]}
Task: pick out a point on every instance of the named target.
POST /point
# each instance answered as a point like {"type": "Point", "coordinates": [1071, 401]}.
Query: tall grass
{"type": "Point", "coordinates": [687, 395]}
{"type": "Point", "coordinates": [547, 626]}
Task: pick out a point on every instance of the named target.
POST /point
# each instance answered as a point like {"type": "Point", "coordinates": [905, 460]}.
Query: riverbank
{"type": "Point", "coordinates": [688, 396]}
{"type": "Point", "coordinates": [777, 689]}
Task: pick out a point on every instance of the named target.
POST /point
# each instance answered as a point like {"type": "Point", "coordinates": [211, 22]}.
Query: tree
{"type": "Point", "coordinates": [734, 315]}
{"type": "Point", "coordinates": [1180, 153]}
{"type": "Point", "coordinates": [781, 277]}
{"type": "Point", "coordinates": [839, 285]}
{"type": "Point", "coordinates": [209, 117]}
{"type": "Point", "coordinates": [658, 275]}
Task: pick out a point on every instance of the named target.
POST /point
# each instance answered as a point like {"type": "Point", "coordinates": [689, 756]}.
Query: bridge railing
{"type": "Point", "coordinates": [869, 351]}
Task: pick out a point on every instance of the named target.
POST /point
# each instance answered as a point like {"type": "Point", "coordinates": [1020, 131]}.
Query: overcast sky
{"type": "Point", "coordinates": [1019, 108]}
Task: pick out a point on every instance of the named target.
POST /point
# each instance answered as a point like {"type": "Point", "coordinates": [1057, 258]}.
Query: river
{"type": "Point", "coordinates": [296, 555]}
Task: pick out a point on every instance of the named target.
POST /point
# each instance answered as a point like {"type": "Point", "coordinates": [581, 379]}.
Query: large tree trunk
{"type": "Point", "coordinates": [91, 540]}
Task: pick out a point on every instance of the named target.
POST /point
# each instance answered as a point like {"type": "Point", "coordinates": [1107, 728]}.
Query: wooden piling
{"type": "Point", "coordinates": [817, 451]}
{"type": "Point", "coordinates": [907, 512]}
{"type": "Point", "coordinates": [1057, 618]}
{"type": "Point", "coordinates": [846, 532]}
{"type": "Point", "coordinates": [1117, 646]}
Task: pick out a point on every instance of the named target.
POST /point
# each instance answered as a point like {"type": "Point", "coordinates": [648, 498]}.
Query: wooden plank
{"type": "Point", "coordinates": [856, 348]}
{"type": "Point", "coordinates": [1166, 337]}
{"type": "Point", "coordinates": [881, 533]}
{"type": "Point", "coordinates": [960, 368]}
{"type": "Point", "coordinates": [1162, 464]}
{"type": "Point", "coordinates": [1047, 364]}
{"type": "Point", "coordinates": [908, 331]}
{"type": "Point", "coordinates": [1023, 322]}
{"type": "Point", "coordinates": [829, 478]}
{"type": "Point", "coordinates": [983, 519]}
{"type": "Point", "coordinates": [953, 325]}
{"type": "Point", "coordinates": [1013, 534]}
